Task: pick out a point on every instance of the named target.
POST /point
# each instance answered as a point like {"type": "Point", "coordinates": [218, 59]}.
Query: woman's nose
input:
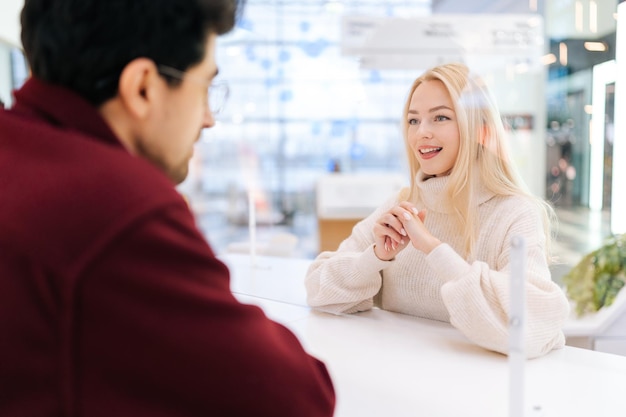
{"type": "Point", "coordinates": [424, 130]}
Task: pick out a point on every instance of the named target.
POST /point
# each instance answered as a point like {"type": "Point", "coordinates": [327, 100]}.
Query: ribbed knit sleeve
{"type": "Point", "coordinates": [477, 295]}
{"type": "Point", "coordinates": [472, 294]}
{"type": "Point", "coordinates": [346, 281]}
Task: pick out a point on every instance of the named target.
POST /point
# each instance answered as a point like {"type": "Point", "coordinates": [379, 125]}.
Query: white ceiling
{"type": "Point", "coordinates": [564, 19]}
{"type": "Point", "coordinates": [560, 15]}
{"type": "Point", "coordinates": [10, 21]}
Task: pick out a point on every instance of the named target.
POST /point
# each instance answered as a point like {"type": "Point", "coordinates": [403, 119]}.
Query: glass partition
{"type": "Point", "coordinates": [300, 109]}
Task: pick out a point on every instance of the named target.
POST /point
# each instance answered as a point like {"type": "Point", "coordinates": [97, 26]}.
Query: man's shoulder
{"type": "Point", "coordinates": [56, 161]}
{"type": "Point", "coordinates": [63, 190]}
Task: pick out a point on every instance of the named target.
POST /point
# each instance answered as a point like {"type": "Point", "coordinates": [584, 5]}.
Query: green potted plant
{"type": "Point", "coordinates": [597, 279]}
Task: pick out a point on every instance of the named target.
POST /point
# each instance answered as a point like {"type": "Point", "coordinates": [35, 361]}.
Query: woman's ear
{"type": "Point", "coordinates": [136, 87]}
{"type": "Point", "coordinates": [483, 135]}
{"type": "Point", "coordinates": [488, 141]}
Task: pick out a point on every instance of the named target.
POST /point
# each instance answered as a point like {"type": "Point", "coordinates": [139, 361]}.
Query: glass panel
{"type": "Point", "coordinates": [297, 110]}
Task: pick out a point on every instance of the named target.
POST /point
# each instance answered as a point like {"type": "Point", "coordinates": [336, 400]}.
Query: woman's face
{"type": "Point", "coordinates": [433, 131]}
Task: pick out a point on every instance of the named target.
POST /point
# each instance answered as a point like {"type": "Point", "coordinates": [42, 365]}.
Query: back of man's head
{"type": "Point", "coordinates": [84, 44]}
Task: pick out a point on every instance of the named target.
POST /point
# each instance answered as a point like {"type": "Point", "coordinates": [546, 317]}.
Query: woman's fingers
{"type": "Point", "coordinates": [391, 221]}
{"type": "Point", "coordinates": [388, 235]}
{"type": "Point", "coordinates": [402, 224]}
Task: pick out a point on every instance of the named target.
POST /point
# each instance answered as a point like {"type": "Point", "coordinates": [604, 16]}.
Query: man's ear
{"type": "Point", "coordinates": [137, 88]}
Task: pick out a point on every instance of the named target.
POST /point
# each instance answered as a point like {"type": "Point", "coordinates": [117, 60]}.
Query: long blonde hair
{"type": "Point", "coordinates": [483, 148]}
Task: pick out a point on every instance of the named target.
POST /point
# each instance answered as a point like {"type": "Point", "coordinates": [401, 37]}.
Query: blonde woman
{"type": "Point", "coordinates": [440, 250]}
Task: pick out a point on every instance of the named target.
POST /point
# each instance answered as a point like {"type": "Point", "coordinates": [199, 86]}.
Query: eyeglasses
{"type": "Point", "coordinates": [217, 94]}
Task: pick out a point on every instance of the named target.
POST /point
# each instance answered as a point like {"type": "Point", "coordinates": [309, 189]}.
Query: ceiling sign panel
{"type": "Point", "coordinates": [480, 41]}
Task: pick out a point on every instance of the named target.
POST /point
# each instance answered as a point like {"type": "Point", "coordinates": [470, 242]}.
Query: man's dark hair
{"type": "Point", "coordinates": [85, 44]}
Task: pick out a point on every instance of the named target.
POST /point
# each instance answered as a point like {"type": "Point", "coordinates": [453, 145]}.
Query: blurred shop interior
{"type": "Point", "coordinates": [310, 140]}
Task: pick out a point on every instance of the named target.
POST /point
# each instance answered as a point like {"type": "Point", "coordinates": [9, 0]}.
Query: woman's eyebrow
{"type": "Point", "coordinates": [433, 109]}
{"type": "Point", "coordinates": [442, 107]}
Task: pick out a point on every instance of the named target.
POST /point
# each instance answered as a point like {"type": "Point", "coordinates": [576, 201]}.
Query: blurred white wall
{"type": "Point", "coordinates": [10, 21]}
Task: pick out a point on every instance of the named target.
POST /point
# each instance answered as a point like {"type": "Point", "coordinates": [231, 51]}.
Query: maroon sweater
{"type": "Point", "coordinates": [111, 301]}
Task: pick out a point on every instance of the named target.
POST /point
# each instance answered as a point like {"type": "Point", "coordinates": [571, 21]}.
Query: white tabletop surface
{"type": "Point", "coordinates": [389, 364]}
{"type": "Point", "coordinates": [279, 279]}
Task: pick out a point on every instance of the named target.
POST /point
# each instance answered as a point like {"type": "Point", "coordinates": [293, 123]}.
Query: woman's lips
{"type": "Point", "coordinates": [430, 152]}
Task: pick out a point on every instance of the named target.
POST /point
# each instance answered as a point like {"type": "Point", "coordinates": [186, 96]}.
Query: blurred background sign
{"type": "Point", "coordinates": [420, 42]}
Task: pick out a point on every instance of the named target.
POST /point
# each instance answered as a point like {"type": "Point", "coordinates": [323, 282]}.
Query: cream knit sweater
{"type": "Point", "coordinates": [472, 296]}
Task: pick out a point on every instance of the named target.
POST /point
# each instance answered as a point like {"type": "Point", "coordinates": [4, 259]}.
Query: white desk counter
{"type": "Point", "coordinates": [388, 364]}
{"type": "Point", "coordinates": [278, 279]}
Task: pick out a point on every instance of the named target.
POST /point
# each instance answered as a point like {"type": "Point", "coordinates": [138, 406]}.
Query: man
{"type": "Point", "coordinates": [111, 301]}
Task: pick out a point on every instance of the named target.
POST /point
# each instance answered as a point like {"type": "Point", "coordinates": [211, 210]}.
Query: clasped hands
{"type": "Point", "coordinates": [399, 226]}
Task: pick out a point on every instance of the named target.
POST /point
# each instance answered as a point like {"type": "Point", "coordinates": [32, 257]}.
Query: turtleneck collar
{"type": "Point", "coordinates": [432, 192]}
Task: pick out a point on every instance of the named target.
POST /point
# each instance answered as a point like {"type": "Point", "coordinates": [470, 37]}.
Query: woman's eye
{"type": "Point", "coordinates": [413, 121]}
{"type": "Point", "coordinates": [441, 118]}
